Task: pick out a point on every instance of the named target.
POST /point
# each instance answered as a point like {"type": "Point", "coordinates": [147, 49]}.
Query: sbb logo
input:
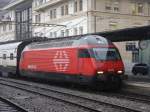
{"type": "Point", "coordinates": [61, 61]}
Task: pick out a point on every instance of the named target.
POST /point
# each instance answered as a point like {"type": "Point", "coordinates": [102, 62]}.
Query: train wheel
{"type": "Point", "coordinates": [12, 75]}
{"type": "Point", "coordinates": [0, 74]}
{"type": "Point", "coordinates": [4, 74]}
{"type": "Point", "coordinates": [100, 86]}
{"type": "Point", "coordinates": [7, 74]}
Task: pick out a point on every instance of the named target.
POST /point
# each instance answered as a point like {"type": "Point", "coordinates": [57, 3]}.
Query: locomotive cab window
{"type": "Point", "coordinates": [106, 54]}
{"type": "Point", "coordinates": [11, 56]}
{"type": "Point", "coordinates": [4, 56]}
{"type": "Point", "coordinates": [84, 53]}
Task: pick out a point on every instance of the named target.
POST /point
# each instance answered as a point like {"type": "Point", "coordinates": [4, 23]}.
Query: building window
{"type": "Point", "coordinates": [25, 15]}
{"type": "Point", "coordinates": [10, 26]}
{"type": "Point", "coordinates": [37, 18]}
{"type": "Point", "coordinates": [78, 5]}
{"type": "Point", "coordinates": [67, 32]}
{"type": "Point", "coordinates": [30, 13]}
{"type": "Point", "coordinates": [116, 6]}
{"type": "Point", "coordinates": [81, 30]}
{"type": "Point", "coordinates": [131, 46]}
{"type": "Point", "coordinates": [23, 23]}
{"type": "Point", "coordinates": [137, 8]}
{"type": "Point", "coordinates": [52, 13]}
{"type": "Point", "coordinates": [62, 10]}
{"type": "Point", "coordinates": [140, 8]}
{"type": "Point", "coordinates": [66, 9]}
{"type": "Point", "coordinates": [4, 27]}
{"type": "Point", "coordinates": [135, 56]}
{"type": "Point", "coordinates": [75, 6]}
{"type": "Point", "coordinates": [133, 8]}
{"type": "Point", "coordinates": [149, 9]}
{"type": "Point", "coordinates": [62, 33]}
{"type": "Point", "coordinates": [18, 17]}
{"type": "Point", "coordinates": [112, 6]}
{"type": "Point", "coordinates": [116, 9]}
{"type": "Point", "coordinates": [55, 34]}
{"type": "Point", "coordinates": [55, 13]}
{"type": "Point", "coordinates": [81, 5]}
{"type": "Point", "coordinates": [108, 5]}
{"type": "Point", "coordinates": [112, 25]}
{"type": "Point", "coordinates": [51, 34]}
{"type": "Point", "coordinates": [75, 31]}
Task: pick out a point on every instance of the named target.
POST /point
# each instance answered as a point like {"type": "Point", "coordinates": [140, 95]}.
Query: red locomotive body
{"type": "Point", "coordinates": [86, 59]}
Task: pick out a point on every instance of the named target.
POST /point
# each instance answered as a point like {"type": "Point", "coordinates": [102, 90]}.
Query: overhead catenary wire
{"type": "Point", "coordinates": [32, 24]}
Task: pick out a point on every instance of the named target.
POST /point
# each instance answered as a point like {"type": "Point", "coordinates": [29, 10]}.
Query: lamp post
{"type": "Point", "coordinates": [143, 44]}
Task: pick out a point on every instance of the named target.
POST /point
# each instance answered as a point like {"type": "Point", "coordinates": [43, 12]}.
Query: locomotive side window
{"type": "Point", "coordinates": [4, 56]}
{"type": "Point", "coordinates": [11, 56]}
{"type": "Point", "coordinates": [84, 53]}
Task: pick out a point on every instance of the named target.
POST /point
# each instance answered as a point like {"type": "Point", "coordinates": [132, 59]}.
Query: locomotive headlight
{"type": "Point", "coordinates": [100, 72]}
{"type": "Point", "coordinates": [120, 72]}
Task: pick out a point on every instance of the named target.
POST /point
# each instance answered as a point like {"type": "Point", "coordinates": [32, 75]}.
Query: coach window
{"type": "Point", "coordinates": [4, 56]}
{"type": "Point", "coordinates": [11, 56]}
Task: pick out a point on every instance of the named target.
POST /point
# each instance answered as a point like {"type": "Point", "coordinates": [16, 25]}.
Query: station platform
{"type": "Point", "coordinates": [138, 84]}
{"type": "Point", "coordinates": [139, 78]}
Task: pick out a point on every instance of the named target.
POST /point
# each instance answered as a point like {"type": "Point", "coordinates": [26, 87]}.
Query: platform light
{"type": "Point", "coordinates": [120, 72]}
{"type": "Point", "coordinates": [100, 72]}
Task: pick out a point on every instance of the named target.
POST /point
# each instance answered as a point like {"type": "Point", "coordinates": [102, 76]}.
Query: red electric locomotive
{"type": "Point", "coordinates": [87, 59]}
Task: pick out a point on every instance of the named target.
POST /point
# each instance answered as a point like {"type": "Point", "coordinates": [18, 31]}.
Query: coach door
{"type": "Point", "coordinates": [4, 58]}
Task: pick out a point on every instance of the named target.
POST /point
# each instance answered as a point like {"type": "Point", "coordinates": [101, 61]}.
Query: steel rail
{"type": "Point", "coordinates": [81, 97]}
{"type": "Point", "coordinates": [58, 99]}
{"type": "Point", "coordinates": [13, 104]}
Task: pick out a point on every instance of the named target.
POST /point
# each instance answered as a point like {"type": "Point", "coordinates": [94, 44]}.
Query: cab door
{"type": "Point", "coordinates": [85, 62]}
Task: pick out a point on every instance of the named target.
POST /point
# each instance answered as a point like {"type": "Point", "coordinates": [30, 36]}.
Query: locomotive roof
{"type": "Point", "coordinates": [70, 41]}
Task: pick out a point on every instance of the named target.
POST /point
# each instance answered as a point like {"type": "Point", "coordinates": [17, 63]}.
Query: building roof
{"type": "Point", "coordinates": [128, 34]}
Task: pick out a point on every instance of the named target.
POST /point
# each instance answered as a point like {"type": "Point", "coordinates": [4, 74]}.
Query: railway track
{"type": "Point", "coordinates": [9, 106]}
{"type": "Point", "coordinates": [129, 96]}
{"type": "Point", "coordinates": [73, 99]}
{"type": "Point", "coordinates": [133, 96]}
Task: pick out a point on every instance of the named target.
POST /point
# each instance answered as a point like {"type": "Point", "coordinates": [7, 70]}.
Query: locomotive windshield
{"type": "Point", "coordinates": [106, 54]}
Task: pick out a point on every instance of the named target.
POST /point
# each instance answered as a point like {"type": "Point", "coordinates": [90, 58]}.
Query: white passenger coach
{"type": "Point", "coordinates": [10, 53]}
